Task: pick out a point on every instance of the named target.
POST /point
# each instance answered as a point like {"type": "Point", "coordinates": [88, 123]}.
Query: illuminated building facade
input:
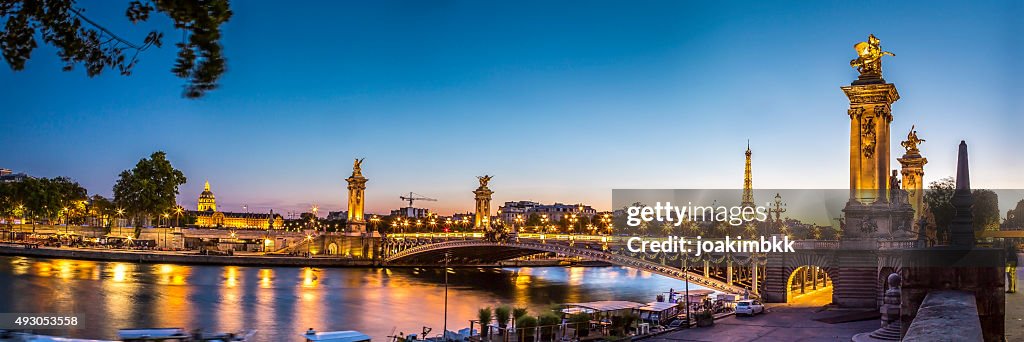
{"type": "Point", "coordinates": [208, 216]}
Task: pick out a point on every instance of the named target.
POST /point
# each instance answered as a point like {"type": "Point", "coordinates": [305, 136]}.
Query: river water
{"type": "Point", "coordinates": [282, 302]}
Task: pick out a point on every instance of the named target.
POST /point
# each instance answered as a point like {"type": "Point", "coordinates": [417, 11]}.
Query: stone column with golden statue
{"type": "Point", "coordinates": [483, 204]}
{"type": "Point", "coordinates": [913, 173]}
{"type": "Point", "coordinates": [876, 209]}
{"type": "Point", "coordinates": [870, 112]}
{"type": "Point", "coordinates": [356, 224]}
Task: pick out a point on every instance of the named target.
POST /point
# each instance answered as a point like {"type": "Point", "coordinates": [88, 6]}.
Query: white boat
{"type": "Point", "coordinates": [180, 335]}
{"type": "Point", "coordinates": [335, 336]}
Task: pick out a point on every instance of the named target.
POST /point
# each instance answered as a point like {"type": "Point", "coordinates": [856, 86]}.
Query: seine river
{"type": "Point", "coordinates": [281, 303]}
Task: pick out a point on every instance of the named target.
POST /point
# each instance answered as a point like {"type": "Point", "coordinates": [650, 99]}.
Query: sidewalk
{"type": "Point", "coordinates": [781, 322]}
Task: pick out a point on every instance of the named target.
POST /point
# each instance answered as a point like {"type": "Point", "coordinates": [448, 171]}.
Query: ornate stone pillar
{"type": "Point", "coordinates": [483, 204]}
{"type": "Point", "coordinates": [753, 277]}
{"type": "Point", "coordinates": [356, 224]}
{"type": "Point", "coordinates": [913, 173]}
{"type": "Point", "coordinates": [870, 115]}
{"type": "Point", "coordinates": [728, 272]}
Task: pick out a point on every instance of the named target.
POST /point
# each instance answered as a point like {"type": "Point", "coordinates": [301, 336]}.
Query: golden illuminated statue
{"type": "Point", "coordinates": [869, 57]}
{"type": "Point", "coordinates": [483, 180]}
{"type": "Point", "coordinates": [912, 141]}
{"type": "Point", "coordinates": [357, 166]}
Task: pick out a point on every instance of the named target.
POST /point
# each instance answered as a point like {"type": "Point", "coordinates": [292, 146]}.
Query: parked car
{"type": "Point", "coordinates": [676, 323]}
{"type": "Point", "coordinates": [749, 307]}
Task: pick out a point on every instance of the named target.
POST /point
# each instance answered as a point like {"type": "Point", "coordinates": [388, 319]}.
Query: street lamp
{"type": "Point", "coordinates": [177, 212]}
{"type": "Point", "coordinates": [607, 222]}
{"type": "Point", "coordinates": [374, 220]}
{"type": "Point", "coordinates": [65, 212]}
{"type": "Point", "coordinates": [120, 215]}
{"type": "Point", "coordinates": [572, 223]}
{"type": "Point", "coordinates": [166, 223]}
{"type": "Point", "coordinates": [309, 241]}
{"type": "Point", "coordinates": [544, 222]}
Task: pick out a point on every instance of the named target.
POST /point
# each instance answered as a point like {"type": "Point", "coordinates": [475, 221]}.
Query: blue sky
{"type": "Point", "coordinates": [561, 101]}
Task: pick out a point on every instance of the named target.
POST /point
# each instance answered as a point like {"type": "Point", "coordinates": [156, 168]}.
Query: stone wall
{"type": "Point", "coordinates": [975, 271]}
{"type": "Point", "coordinates": [946, 316]}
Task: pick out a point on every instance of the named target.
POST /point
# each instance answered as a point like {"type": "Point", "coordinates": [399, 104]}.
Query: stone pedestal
{"type": "Point", "coordinates": [913, 174]}
{"type": "Point", "coordinates": [890, 310]}
{"type": "Point", "coordinates": [870, 114]}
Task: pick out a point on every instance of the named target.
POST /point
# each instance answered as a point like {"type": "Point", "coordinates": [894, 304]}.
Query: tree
{"type": "Point", "coordinates": [516, 314]}
{"type": "Point", "coordinates": [502, 314]}
{"type": "Point", "coordinates": [484, 315]}
{"type": "Point", "coordinates": [985, 210]}
{"type": "Point", "coordinates": [80, 40]}
{"type": "Point", "coordinates": [581, 323]}
{"type": "Point", "coordinates": [1015, 217]}
{"type": "Point", "coordinates": [42, 198]}
{"type": "Point", "coordinates": [528, 325]}
{"type": "Point", "coordinates": [939, 198]}
{"type": "Point", "coordinates": [150, 188]}
{"type": "Point", "coordinates": [548, 322]}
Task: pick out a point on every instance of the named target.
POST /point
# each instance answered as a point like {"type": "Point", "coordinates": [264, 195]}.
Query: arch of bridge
{"type": "Point", "coordinates": [635, 261]}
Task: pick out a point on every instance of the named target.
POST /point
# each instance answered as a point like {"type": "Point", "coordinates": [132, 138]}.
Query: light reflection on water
{"type": "Point", "coordinates": [282, 302]}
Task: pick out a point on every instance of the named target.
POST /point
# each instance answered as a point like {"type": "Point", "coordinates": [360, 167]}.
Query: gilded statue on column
{"type": "Point", "coordinates": [869, 57]}
{"type": "Point", "coordinates": [912, 141]}
{"type": "Point", "coordinates": [483, 180]}
{"type": "Point", "coordinates": [357, 169]}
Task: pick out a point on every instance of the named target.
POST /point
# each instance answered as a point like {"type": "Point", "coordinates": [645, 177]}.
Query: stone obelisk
{"type": "Point", "coordinates": [483, 204]}
{"type": "Point", "coordinates": [356, 224]}
{"type": "Point", "coordinates": [961, 229]}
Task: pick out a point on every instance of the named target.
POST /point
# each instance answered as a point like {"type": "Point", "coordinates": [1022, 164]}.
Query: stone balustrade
{"type": "Point", "coordinates": [946, 316]}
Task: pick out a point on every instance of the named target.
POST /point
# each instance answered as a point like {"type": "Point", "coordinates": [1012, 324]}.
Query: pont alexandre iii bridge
{"type": "Point", "coordinates": [775, 277]}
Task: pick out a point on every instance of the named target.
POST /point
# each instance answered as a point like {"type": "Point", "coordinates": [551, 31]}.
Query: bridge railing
{"type": "Point", "coordinates": [899, 244]}
{"type": "Point", "coordinates": [816, 244]}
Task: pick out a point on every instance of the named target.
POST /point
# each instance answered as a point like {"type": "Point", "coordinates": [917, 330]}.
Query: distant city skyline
{"type": "Point", "coordinates": [560, 108]}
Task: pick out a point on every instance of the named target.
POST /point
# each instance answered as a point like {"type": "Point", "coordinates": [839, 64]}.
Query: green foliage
{"type": "Point", "coordinates": [621, 324]}
{"type": "Point", "coordinates": [80, 40]}
{"type": "Point", "coordinates": [939, 198]}
{"type": "Point", "coordinates": [516, 314]}
{"type": "Point", "coordinates": [502, 314]}
{"type": "Point", "coordinates": [582, 323]}
{"type": "Point", "coordinates": [533, 220]}
{"type": "Point", "coordinates": [150, 188]}
{"type": "Point", "coordinates": [525, 324]}
{"type": "Point", "coordinates": [547, 321]}
{"type": "Point", "coordinates": [985, 210]}
{"type": "Point", "coordinates": [484, 315]}
{"type": "Point", "coordinates": [1015, 217]}
{"type": "Point", "coordinates": [43, 198]}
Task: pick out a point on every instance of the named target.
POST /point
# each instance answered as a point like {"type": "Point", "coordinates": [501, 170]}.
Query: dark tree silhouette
{"type": "Point", "coordinates": [80, 40]}
{"type": "Point", "coordinates": [150, 188]}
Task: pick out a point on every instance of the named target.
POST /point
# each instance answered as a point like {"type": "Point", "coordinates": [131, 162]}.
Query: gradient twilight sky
{"type": "Point", "coordinates": [561, 101]}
